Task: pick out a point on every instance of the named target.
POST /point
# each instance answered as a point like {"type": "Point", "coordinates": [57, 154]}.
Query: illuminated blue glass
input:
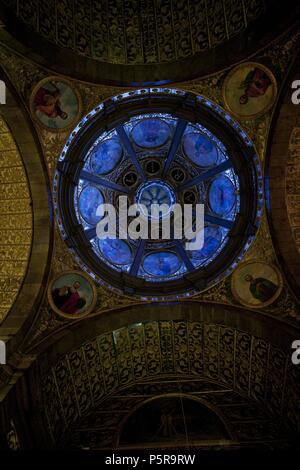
{"type": "Point", "coordinates": [200, 149]}
{"type": "Point", "coordinates": [212, 239]}
{"type": "Point", "coordinates": [106, 156]}
{"type": "Point", "coordinates": [161, 264]}
{"type": "Point", "coordinates": [89, 200]}
{"type": "Point", "coordinates": [115, 250]}
{"type": "Point", "coordinates": [150, 133]}
{"type": "Point", "coordinates": [221, 195]}
{"type": "Point", "coordinates": [156, 192]}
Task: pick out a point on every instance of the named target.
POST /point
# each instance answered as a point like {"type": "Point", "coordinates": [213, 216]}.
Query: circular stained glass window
{"type": "Point", "coordinates": [158, 147]}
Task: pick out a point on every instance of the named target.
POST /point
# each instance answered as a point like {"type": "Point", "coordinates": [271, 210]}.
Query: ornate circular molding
{"type": "Point", "coordinates": [50, 99]}
{"type": "Point", "coordinates": [237, 159]}
{"type": "Point", "coordinates": [260, 286]}
{"type": "Point", "coordinates": [254, 82]}
{"type": "Point", "coordinates": [65, 280]}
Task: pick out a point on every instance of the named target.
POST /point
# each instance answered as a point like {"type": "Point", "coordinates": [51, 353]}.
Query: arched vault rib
{"type": "Point", "coordinates": [214, 346]}
{"type": "Point", "coordinates": [25, 232]}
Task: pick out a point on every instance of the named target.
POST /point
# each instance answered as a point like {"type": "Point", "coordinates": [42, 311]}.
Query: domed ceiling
{"type": "Point", "coordinates": [183, 157]}
{"type": "Point", "coordinates": [137, 32]}
{"type": "Point", "coordinates": [141, 34]}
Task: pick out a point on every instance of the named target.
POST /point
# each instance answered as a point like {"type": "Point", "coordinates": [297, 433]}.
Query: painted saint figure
{"type": "Point", "coordinates": [255, 84]}
{"type": "Point", "coordinates": [48, 102]}
{"type": "Point", "coordinates": [262, 289]}
{"type": "Point", "coordinates": [60, 295]}
{"type": "Point", "coordinates": [67, 298]}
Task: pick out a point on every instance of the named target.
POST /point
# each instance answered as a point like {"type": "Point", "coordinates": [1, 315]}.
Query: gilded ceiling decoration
{"type": "Point", "coordinates": [137, 32]}
{"type": "Point", "coordinates": [235, 361]}
{"type": "Point", "coordinates": [16, 220]}
{"type": "Point", "coordinates": [83, 378]}
{"type": "Point", "coordinates": [26, 75]}
{"type": "Point", "coordinates": [292, 184]}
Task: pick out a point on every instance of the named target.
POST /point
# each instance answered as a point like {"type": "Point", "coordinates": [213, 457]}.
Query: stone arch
{"type": "Point", "coordinates": [213, 409]}
{"type": "Point", "coordinates": [222, 349]}
{"type": "Point", "coordinates": [23, 171]}
{"type": "Point", "coordinates": [282, 176]}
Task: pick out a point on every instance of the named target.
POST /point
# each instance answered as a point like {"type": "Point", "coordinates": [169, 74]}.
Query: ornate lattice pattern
{"type": "Point", "coordinates": [234, 359]}
{"type": "Point", "coordinates": [137, 31]}
{"type": "Point", "coordinates": [16, 220]}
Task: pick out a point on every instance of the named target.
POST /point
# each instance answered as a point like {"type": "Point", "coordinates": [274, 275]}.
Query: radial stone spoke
{"type": "Point", "coordinates": [218, 221]}
{"type": "Point", "coordinates": [180, 128]}
{"type": "Point", "coordinates": [206, 175]}
{"type": "Point", "coordinates": [85, 175]}
{"type": "Point", "coordinates": [127, 144]}
{"type": "Point", "coordinates": [138, 258]}
{"type": "Point", "coordinates": [183, 255]}
{"type": "Point", "coordinates": [90, 233]}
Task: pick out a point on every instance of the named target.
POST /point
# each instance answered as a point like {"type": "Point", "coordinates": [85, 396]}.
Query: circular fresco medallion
{"type": "Point", "coordinates": [249, 90]}
{"type": "Point", "coordinates": [72, 294]}
{"type": "Point", "coordinates": [256, 284]}
{"type": "Point", "coordinates": [55, 104]}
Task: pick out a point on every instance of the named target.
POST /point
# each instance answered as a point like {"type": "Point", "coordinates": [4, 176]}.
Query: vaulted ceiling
{"type": "Point", "coordinates": [161, 40]}
{"type": "Point", "coordinates": [71, 383]}
{"type": "Point", "coordinates": [134, 32]}
{"type": "Point", "coordinates": [94, 377]}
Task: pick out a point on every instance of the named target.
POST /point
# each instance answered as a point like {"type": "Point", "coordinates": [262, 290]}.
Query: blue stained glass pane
{"type": "Point", "coordinates": [115, 250]}
{"type": "Point", "coordinates": [200, 149]}
{"type": "Point", "coordinates": [212, 239]}
{"type": "Point", "coordinates": [221, 195]}
{"type": "Point", "coordinates": [161, 264]}
{"type": "Point", "coordinates": [89, 200]}
{"type": "Point", "coordinates": [150, 133]}
{"type": "Point", "coordinates": [106, 156]}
